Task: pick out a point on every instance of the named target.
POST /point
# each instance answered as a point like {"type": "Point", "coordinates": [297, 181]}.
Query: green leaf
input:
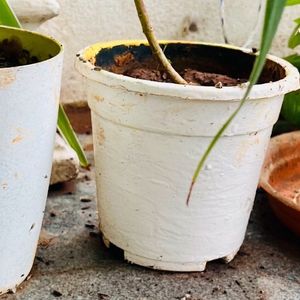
{"type": "Point", "coordinates": [291, 108]}
{"type": "Point", "coordinates": [294, 39]}
{"type": "Point", "coordinates": [292, 2]}
{"type": "Point", "coordinates": [8, 18]}
{"type": "Point", "coordinates": [66, 130]}
{"type": "Point", "coordinates": [294, 59]}
{"type": "Point", "coordinates": [283, 126]}
{"type": "Point", "coordinates": [273, 13]}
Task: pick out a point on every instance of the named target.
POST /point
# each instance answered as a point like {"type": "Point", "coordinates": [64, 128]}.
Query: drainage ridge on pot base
{"type": "Point", "coordinates": [160, 264]}
{"type": "Point", "coordinates": [148, 138]}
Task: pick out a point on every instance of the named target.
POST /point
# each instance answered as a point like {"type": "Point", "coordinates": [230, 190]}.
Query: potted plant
{"type": "Point", "coordinates": [30, 73]}
{"type": "Point", "coordinates": [149, 132]}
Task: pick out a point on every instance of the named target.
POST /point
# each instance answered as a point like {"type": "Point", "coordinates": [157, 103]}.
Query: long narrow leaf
{"type": "Point", "coordinates": [294, 59]}
{"type": "Point", "coordinates": [8, 18]}
{"type": "Point", "coordinates": [294, 39]}
{"type": "Point", "coordinates": [292, 2]}
{"type": "Point", "coordinates": [274, 9]}
{"type": "Point", "coordinates": [65, 129]}
{"type": "Point", "coordinates": [291, 108]}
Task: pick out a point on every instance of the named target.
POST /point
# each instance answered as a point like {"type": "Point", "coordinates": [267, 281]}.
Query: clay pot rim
{"type": "Point", "coordinates": [268, 168]}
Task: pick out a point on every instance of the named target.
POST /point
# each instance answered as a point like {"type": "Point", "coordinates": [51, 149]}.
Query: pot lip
{"type": "Point", "coordinates": [189, 92]}
{"type": "Point", "coordinates": [46, 37]}
{"type": "Point", "coordinates": [266, 172]}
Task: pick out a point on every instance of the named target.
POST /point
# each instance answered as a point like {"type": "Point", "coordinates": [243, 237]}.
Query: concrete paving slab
{"type": "Point", "coordinates": [73, 263]}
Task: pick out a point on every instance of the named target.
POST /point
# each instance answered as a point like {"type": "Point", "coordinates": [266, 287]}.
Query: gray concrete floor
{"type": "Point", "coordinates": [73, 263]}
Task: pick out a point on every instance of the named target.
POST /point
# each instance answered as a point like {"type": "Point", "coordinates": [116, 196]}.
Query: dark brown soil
{"type": "Point", "coordinates": [192, 77]}
{"type": "Point", "coordinates": [198, 64]}
{"type": "Point", "coordinates": [12, 54]}
{"type": "Point", "coordinates": [149, 69]}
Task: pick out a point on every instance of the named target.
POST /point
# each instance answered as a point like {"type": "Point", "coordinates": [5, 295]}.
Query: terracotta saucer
{"type": "Point", "coordinates": [280, 178]}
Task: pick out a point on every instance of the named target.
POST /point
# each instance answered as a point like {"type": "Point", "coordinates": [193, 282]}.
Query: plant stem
{"type": "Point", "coordinates": [155, 47]}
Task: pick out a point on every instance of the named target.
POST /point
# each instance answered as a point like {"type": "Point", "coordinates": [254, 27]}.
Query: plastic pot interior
{"type": "Point", "coordinates": [209, 58]}
{"type": "Point", "coordinates": [38, 45]}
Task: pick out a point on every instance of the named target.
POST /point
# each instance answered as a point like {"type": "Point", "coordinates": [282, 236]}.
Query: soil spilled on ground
{"type": "Point", "coordinates": [12, 54]}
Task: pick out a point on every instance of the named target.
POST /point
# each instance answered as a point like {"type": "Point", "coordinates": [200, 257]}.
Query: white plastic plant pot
{"type": "Point", "coordinates": [29, 98]}
{"type": "Point", "coordinates": [148, 138]}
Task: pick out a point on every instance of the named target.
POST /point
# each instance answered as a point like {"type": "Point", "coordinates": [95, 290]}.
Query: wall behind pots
{"type": "Point", "coordinates": [81, 23]}
{"type": "Point", "coordinates": [34, 13]}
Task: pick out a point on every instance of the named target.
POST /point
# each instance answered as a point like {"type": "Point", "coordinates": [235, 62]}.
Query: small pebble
{"type": "Point", "coordinates": [91, 226]}
{"type": "Point", "coordinates": [56, 293]}
{"type": "Point", "coordinates": [85, 200]}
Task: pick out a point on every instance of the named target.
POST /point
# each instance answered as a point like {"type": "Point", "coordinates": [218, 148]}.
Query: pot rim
{"type": "Point", "coordinates": [47, 38]}
{"type": "Point", "coordinates": [267, 171]}
{"type": "Point", "coordinates": [189, 92]}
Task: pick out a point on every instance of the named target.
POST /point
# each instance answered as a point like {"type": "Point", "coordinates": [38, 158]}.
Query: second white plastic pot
{"type": "Point", "coordinates": [148, 138]}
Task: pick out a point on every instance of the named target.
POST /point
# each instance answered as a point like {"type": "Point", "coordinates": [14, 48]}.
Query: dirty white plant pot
{"type": "Point", "coordinates": [148, 138]}
{"type": "Point", "coordinates": [29, 97]}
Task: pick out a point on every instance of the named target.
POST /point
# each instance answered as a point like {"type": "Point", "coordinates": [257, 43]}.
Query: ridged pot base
{"type": "Point", "coordinates": [167, 265]}
{"type": "Point", "coordinates": [12, 288]}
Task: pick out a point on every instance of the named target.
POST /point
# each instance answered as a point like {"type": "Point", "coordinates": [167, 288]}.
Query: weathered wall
{"type": "Point", "coordinates": [81, 23]}
{"type": "Point", "coordinates": [33, 13]}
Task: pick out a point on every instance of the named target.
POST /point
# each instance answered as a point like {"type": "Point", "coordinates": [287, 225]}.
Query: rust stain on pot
{"type": "Point", "coordinates": [100, 136]}
{"type": "Point", "coordinates": [17, 139]}
{"type": "Point", "coordinates": [7, 77]}
{"type": "Point", "coordinates": [98, 98]}
{"type": "Point", "coordinates": [19, 134]}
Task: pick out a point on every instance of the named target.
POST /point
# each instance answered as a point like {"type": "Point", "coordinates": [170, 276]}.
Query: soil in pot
{"type": "Point", "coordinates": [203, 65]}
{"type": "Point", "coordinates": [12, 54]}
